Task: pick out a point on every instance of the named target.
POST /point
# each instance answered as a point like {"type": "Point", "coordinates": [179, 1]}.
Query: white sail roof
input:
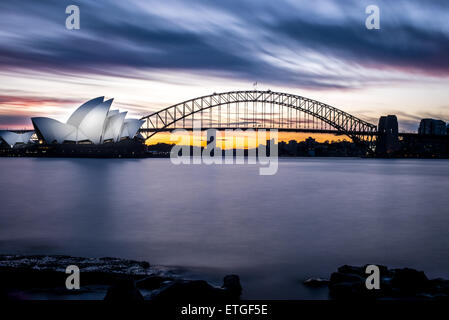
{"type": "Point", "coordinates": [12, 138]}
{"type": "Point", "coordinates": [114, 126]}
{"type": "Point", "coordinates": [77, 117]}
{"type": "Point", "coordinates": [113, 113]}
{"type": "Point", "coordinates": [92, 125]}
{"type": "Point", "coordinates": [93, 121]}
{"type": "Point", "coordinates": [130, 128]}
{"type": "Point", "coordinates": [52, 130]}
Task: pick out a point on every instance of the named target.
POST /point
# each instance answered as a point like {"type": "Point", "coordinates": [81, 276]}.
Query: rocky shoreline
{"type": "Point", "coordinates": [43, 277]}
{"type": "Point", "coordinates": [348, 283]}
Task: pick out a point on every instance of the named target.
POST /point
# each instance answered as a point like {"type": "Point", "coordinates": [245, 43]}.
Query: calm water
{"type": "Point", "coordinates": [274, 231]}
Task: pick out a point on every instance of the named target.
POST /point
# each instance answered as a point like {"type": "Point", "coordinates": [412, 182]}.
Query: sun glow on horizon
{"type": "Point", "coordinates": [240, 140]}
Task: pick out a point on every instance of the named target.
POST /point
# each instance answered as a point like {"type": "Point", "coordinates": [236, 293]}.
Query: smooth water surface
{"type": "Point", "coordinates": [274, 231]}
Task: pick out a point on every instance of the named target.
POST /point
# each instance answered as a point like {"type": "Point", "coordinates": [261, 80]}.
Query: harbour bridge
{"type": "Point", "coordinates": [257, 110]}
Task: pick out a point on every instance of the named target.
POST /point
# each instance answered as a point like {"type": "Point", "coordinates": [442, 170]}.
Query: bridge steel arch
{"type": "Point", "coordinates": [344, 123]}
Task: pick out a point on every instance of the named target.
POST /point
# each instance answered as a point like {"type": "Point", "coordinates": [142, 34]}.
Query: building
{"type": "Point", "coordinates": [11, 139]}
{"type": "Point", "coordinates": [388, 138]}
{"type": "Point", "coordinates": [432, 127]}
{"type": "Point", "coordinates": [92, 123]}
{"type": "Point", "coordinates": [292, 147]}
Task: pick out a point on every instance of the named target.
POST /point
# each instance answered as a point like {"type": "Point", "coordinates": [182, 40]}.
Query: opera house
{"type": "Point", "coordinates": [92, 123]}
{"type": "Point", "coordinates": [93, 130]}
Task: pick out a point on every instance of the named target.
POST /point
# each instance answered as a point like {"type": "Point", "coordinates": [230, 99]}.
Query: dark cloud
{"type": "Point", "coordinates": [397, 47]}
{"type": "Point", "coordinates": [116, 36]}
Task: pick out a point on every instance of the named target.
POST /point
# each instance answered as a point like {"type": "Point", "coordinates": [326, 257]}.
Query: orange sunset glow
{"type": "Point", "coordinates": [240, 140]}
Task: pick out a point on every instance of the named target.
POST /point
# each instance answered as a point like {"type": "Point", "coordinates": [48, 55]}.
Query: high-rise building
{"type": "Point", "coordinates": [432, 127]}
{"type": "Point", "coordinates": [387, 140]}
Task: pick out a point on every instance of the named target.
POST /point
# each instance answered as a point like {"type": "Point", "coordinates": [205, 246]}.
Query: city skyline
{"type": "Point", "coordinates": [148, 56]}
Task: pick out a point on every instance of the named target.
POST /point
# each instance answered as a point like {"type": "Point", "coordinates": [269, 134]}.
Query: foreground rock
{"type": "Point", "coordinates": [349, 283]}
{"type": "Point", "coordinates": [35, 277]}
{"type": "Point", "coordinates": [231, 283]}
{"type": "Point", "coordinates": [124, 290]}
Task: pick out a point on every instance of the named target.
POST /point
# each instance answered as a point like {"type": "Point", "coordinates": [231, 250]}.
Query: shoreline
{"type": "Point", "coordinates": [165, 156]}
{"type": "Point", "coordinates": [42, 277]}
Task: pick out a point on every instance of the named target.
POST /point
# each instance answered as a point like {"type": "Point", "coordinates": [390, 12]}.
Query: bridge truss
{"type": "Point", "coordinates": [258, 110]}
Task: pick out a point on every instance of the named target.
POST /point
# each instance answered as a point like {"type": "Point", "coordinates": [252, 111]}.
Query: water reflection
{"type": "Point", "coordinates": [309, 218]}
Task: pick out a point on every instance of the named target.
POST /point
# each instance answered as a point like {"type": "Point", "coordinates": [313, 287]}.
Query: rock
{"type": "Point", "coordinates": [351, 269]}
{"type": "Point", "coordinates": [232, 284]}
{"type": "Point", "coordinates": [337, 277]}
{"type": "Point", "coordinates": [123, 290]}
{"type": "Point", "coordinates": [383, 269]}
{"type": "Point", "coordinates": [410, 281]}
{"type": "Point", "coordinates": [316, 282]}
{"type": "Point", "coordinates": [349, 283]}
{"type": "Point", "coordinates": [22, 277]}
{"type": "Point", "coordinates": [439, 286]}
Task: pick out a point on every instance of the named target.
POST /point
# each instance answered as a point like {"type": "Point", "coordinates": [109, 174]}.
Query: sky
{"type": "Point", "coordinates": [151, 54]}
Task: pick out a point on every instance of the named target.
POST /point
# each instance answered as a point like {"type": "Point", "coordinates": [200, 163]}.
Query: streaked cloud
{"type": "Point", "coordinates": [318, 46]}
